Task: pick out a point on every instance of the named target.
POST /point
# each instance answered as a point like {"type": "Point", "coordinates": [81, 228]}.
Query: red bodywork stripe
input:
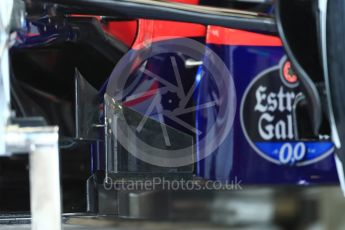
{"type": "Point", "coordinates": [124, 31]}
{"type": "Point", "coordinates": [193, 2]}
{"type": "Point", "coordinates": [150, 31]}
{"type": "Point", "coordinates": [146, 95]}
{"type": "Point", "coordinates": [224, 36]}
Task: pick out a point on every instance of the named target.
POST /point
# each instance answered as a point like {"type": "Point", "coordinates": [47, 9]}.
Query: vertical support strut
{"type": "Point", "coordinates": [45, 198]}
{"type": "Point", "coordinates": [40, 142]}
{"type": "Point", "coordinates": [45, 187]}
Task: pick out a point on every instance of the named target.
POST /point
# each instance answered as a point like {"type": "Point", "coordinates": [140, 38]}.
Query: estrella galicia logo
{"type": "Point", "coordinates": [267, 119]}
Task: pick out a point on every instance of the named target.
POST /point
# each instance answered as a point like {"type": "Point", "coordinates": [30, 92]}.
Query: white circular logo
{"type": "Point", "coordinates": [170, 99]}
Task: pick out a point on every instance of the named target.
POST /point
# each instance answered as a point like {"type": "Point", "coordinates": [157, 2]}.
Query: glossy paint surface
{"type": "Point", "coordinates": [238, 156]}
{"type": "Point", "coordinates": [246, 54]}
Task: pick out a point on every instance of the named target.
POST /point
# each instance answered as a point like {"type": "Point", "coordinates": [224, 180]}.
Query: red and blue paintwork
{"type": "Point", "coordinates": [140, 88]}
{"type": "Point", "coordinates": [246, 54]}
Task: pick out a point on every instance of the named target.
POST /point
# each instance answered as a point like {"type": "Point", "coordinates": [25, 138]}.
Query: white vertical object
{"type": "Point", "coordinates": [6, 8]}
